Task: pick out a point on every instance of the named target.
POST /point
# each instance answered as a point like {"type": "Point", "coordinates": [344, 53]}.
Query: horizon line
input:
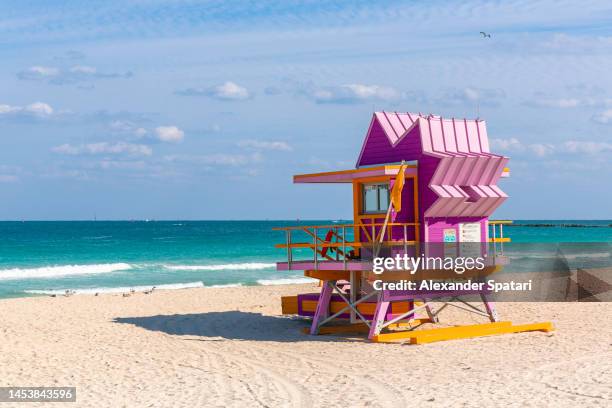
{"type": "Point", "coordinates": [261, 219]}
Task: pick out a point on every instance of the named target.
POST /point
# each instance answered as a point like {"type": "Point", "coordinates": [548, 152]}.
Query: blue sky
{"type": "Point", "coordinates": [204, 110]}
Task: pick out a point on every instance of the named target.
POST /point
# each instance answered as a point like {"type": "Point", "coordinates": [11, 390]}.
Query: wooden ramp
{"type": "Point", "coordinates": [459, 332]}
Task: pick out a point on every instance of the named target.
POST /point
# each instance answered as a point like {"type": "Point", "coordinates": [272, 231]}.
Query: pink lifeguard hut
{"type": "Point", "coordinates": [423, 185]}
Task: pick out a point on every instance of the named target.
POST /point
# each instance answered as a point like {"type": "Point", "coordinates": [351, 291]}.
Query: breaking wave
{"type": "Point", "coordinates": [61, 271]}
{"type": "Point", "coordinates": [285, 281]}
{"type": "Point", "coordinates": [222, 267]}
{"type": "Point", "coordinates": [123, 289]}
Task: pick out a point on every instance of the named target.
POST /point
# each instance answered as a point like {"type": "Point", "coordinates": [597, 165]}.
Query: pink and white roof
{"type": "Point", "coordinates": [466, 174]}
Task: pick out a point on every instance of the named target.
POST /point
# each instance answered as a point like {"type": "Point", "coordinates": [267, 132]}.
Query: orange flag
{"type": "Point", "coordinates": [396, 193]}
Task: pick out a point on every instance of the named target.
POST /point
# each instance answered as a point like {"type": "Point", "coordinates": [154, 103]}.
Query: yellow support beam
{"type": "Point", "coordinates": [289, 304]}
{"type": "Point", "coordinates": [497, 222]}
{"type": "Point", "coordinates": [445, 333]}
{"type": "Point", "coordinates": [543, 327]}
{"type": "Point", "coordinates": [328, 275]}
{"type": "Point", "coordinates": [498, 239]}
{"type": "Point", "coordinates": [346, 328]}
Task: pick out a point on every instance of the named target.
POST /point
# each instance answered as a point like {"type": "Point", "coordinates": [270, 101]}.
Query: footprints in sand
{"type": "Point", "coordinates": [272, 377]}
{"type": "Point", "coordinates": [581, 379]}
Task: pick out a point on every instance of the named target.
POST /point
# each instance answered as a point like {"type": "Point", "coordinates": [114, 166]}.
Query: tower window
{"type": "Point", "coordinates": [375, 198]}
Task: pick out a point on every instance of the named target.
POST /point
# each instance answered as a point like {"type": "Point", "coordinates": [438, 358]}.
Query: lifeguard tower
{"type": "Point", "coordinates": [422, 184]}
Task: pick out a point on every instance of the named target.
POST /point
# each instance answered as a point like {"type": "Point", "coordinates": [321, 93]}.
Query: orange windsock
{"type": "Point", "coordinates": [396, 193]}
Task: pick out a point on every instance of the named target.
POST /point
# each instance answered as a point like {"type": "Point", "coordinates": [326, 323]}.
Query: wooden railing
{"type": "Point", "coordinates": [346, 242]}
{"type": "Point", "coordinates": [339, 243]}
{"type": "Point", "coordinates": [493, 232]}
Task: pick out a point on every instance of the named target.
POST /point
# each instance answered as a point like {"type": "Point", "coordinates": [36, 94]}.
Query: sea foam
{"type": "Point", "coordinates": [61, 271]}
{"type": "Point", "coordinates": [285, 281]}
{"type": "Point", "coordinates": [222, 267]}
{"type": "Point", "coordinates": [122, 289]}
{"type": "Point", "coordinates": [228, 285]}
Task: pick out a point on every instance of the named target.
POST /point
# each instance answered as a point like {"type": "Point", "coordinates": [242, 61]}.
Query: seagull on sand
{"type": "Point", "coordinates": [485, 35]}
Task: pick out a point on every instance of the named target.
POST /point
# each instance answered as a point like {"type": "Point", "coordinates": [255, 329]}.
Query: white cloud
{"type": "Point", "coordinates": [574, 43]}
{"type": "Point", "coordinates": [83, 69]}
{"type": "Point", "coordinates": [373, 91]}
{"type": "Point", "coordinates": [122, 125]}
{"type": "Point", "coordinates": [353, 93]}
{"type": "Point", "coordinates": [471, 95]}
{"type": "Point", "coordinates": [217, 159]}
{"type": "Point", "coordinates": [507, 145]}
{"type": "Point", "coordinates": [122, 164]}
{"type": "Point", "coordinates": [228, 91]}
{"type": "Point", "coordinates": [587, 147]}
{"type": "Point", "coordinates": [129, 127]}
{"type": "Point", "coordinates": [541, 149]}
{"type": "Point", "coordinates": [558, 103]}
{"type": "Point", "coordinates": [513, 145]}
{"type": "Point", "coordinates": [10, 174]}
{"type": "Point", "coordinates": [170, 134]}
{"type": "Point", "coordinates": [38, 109]}
{"type": "Point", "coordinates": [265, 145]}
{"type": "Point", "coordinates": [225, 159]}
{"type": "Point", "coordinates": [105, 148]}
{"type": "Point", "coordinates": [566, 103]}
{"type": "Point", "coordinates": [543, 101]}
{"type": "Point", "coordinates": [604, 117]}
{"type": "Point", "coordinates": [74, 74]}
{"type": "Point", "coordinates": [574, 96]}
{"type": "Point", "coordinates": [5, 109]}
{"type": "Point", "coordinates": [38, 72]}
{"type": "Point", "coordinates": [545, 149]}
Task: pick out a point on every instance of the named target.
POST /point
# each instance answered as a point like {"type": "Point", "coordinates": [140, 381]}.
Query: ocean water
{"type": "Point", "coordinates": [38, 258]}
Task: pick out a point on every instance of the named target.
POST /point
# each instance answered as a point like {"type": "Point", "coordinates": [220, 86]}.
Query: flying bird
{"type": "Point", "coordinates": [485, 35]}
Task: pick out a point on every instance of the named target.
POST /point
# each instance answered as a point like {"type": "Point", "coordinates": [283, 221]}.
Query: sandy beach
{"type": "Point", "coordinates": [230, 347]}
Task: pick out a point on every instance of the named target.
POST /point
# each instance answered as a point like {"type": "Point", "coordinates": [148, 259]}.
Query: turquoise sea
{"type": "Point", "coordinates": [39, 258]}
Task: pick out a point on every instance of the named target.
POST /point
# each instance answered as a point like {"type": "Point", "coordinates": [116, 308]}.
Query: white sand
{"type": "Point", "coordinates": [229, 347]}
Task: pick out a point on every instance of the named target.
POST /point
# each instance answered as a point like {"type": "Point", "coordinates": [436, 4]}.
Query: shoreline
{"type": "Point", "coordinates": [147, 289]}
{"type": "Point", "coordinates": [595, 279]}
{"type": "Point", "coordinates": [231, 347]}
